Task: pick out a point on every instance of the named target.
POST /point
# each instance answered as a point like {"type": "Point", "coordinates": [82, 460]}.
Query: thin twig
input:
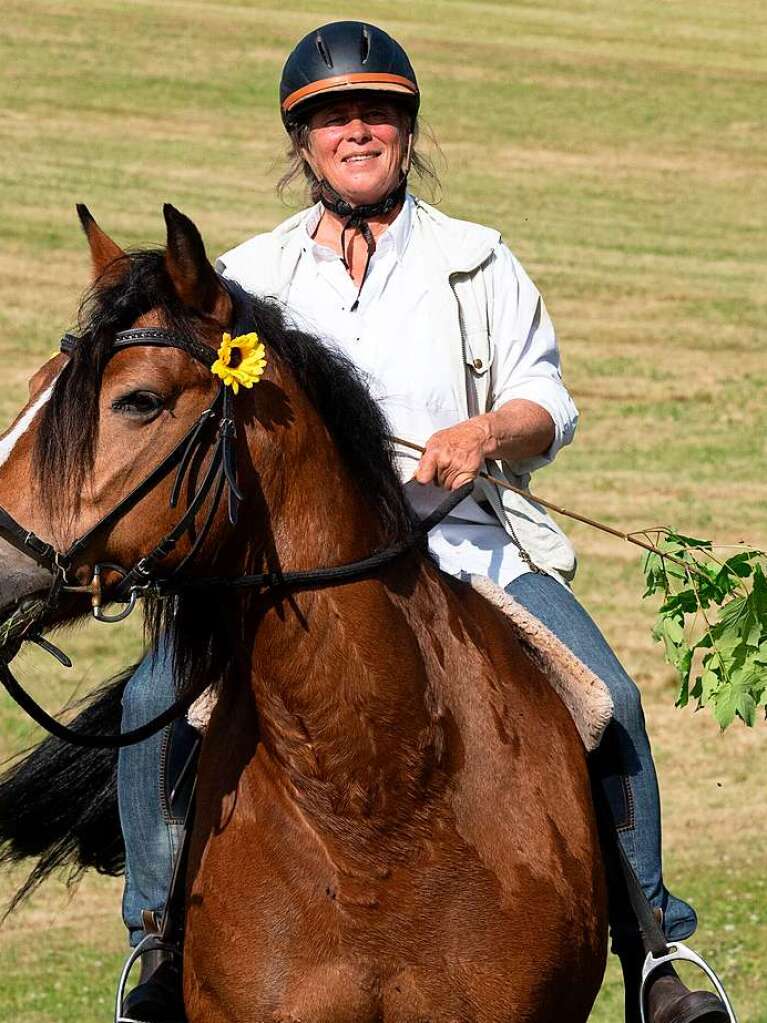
{"type": "Point", "coordinates": [630, 537]}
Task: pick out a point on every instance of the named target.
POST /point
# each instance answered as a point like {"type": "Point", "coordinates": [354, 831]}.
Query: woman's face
{"type": "Point", "coordinates": [359, 144]}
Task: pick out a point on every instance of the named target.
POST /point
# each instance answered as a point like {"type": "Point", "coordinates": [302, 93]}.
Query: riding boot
{"type": "Point", "coordinates": [158, 996]}
{"type": "Point", "coordinates": [667, 999]}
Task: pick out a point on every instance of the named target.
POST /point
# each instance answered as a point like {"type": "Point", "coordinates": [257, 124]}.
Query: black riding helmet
{"type": "Point", "coordinates": [345, 56]}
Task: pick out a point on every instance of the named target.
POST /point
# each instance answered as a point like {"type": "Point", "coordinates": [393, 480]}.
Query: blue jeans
{"type": "Point", "coordinates": [146, 776]}
{"type": "Point", "coordinates": [147, 771]}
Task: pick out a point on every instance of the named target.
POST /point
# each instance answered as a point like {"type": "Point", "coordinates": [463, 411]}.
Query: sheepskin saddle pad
{"type": "Point", "coordinates": [584, 694]}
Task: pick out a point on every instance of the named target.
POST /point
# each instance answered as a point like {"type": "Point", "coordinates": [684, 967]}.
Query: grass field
{"type": "Point", "coordinates": [621, 149]}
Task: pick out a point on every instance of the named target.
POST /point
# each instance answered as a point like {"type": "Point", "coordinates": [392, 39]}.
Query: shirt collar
{"type": "Point", "coordinates": [396, 236]}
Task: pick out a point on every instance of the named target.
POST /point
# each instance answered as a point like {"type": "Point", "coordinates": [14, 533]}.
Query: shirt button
{"type": "Point", "coordinates": [477, 364]}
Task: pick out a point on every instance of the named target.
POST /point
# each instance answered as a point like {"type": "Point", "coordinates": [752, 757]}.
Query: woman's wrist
{"type": "Point", "coordinates": [518, 429]}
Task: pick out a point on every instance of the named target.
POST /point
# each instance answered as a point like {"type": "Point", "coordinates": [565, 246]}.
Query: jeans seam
{"type": "Point", "coordinates": [630, 822]}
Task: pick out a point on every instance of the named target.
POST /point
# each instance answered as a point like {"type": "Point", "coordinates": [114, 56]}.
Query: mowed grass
{"type": "Point", "coordinates": [621, 150]}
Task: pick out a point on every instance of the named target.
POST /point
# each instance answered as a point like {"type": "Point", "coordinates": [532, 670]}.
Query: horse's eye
{"type": "Point", "coordinates": [139, 404]}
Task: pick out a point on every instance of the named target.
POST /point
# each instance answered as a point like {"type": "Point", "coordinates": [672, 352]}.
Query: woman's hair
{"type": "Point", "coordinates": [299, 140]}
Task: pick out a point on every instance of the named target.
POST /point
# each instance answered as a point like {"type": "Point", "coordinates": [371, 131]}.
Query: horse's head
{"type": "Point", "coordinates": [124, 455]}
{"type": "Point", "coordinates": [112, 411]}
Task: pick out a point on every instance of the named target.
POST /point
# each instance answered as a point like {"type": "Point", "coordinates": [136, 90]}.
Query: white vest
{"type": "Point", "coordinates": [457, 254]}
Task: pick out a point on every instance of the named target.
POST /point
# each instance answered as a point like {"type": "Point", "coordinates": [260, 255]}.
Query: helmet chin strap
{"type": "Point", "coordinates": [357, 217]}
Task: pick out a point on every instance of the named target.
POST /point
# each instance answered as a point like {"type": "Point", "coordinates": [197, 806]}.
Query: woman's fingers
{"type": "Point", "coordinates": [427, 467]}
{"type": "Point", "coordinates": [453, 456]}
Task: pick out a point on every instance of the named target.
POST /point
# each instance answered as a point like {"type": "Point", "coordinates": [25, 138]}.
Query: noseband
{"type": "Point", "coordinates": [216, 425]}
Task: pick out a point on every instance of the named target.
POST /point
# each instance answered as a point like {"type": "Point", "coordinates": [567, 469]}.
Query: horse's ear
{"type": "Point", "coordinates": [194, 279]}
{"type": "Point", "coordinates": [108, 259]}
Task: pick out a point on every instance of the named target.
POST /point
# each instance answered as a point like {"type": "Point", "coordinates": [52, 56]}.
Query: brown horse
{"type": "Point", "coordinates": [394, 820]}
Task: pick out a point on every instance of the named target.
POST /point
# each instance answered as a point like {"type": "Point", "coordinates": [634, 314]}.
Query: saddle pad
{"type": "Point", "coordinates": [584, 694]}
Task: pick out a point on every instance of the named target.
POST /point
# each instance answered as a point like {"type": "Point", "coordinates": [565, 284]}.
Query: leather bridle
{"type": "Point", "coordinates": [216, 421]}
{"type": "Point", "coordinates": [215, 425]}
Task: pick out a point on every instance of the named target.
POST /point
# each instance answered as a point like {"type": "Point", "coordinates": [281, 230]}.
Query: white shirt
{"type": "Point", "coordinates": [391, 340]}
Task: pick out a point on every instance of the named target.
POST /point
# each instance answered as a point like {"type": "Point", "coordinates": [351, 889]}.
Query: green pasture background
{"type": "Point", "coordinates": [620, 147]}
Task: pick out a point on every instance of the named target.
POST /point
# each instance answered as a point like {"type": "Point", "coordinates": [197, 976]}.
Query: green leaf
{"type": "Point", "coordinates": [734, 610]}
{"type": "Point", "coordinates": [685, 602]}
{"type": "Point", "coordinates": [746, 709]}
{"type": "Point", "coordinates": [683, 696]}
{"type": "Point", "coordinates": [721, 610]}
{"type": "Point", "coordinates": [673, 631]}
{"type": "Point", "coordinates": [724, 707]}
{"type": "Point", "coordinates": [709, 684]}
{"type": "Point", "coordinates": [759, 593]}
{"type": "Point", "coordinates": [740, 564]}
{"type": "Point", "coordinates": [688, 541]}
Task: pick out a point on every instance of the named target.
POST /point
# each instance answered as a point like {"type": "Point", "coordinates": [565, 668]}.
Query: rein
{"type": "Point", "coordinates": [215, 425]}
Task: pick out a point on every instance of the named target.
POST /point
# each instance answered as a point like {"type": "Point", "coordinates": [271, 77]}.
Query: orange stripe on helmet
{"type": "Point", "coordinates": [356, 80]}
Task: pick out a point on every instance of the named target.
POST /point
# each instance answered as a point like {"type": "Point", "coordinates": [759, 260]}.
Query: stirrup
{"type": "Point", "coordinates": [149, 943]}
{"type": "Point", "coordinates": [679, 952]}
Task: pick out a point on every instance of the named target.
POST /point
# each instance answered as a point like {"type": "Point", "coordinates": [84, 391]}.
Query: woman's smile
{"type": "Point", "coordinates": [358, 144]}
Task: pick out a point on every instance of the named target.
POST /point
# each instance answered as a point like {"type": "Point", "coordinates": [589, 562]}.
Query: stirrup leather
{"type": "Point", "coordinates": [150, 943]}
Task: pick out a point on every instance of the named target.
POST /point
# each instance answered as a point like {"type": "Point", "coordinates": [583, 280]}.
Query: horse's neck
{"type": "Point", "coordinates": [346, 706]}
{"type": "Point", "coordinates": [346, 710]}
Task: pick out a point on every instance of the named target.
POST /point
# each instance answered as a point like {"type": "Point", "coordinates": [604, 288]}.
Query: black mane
{"type": "Point", "coordinates": [200, 627]}
{"type": "Point", "coordinates": [68, 431]}
{"type": "Point", "coordinates": [58, 803]}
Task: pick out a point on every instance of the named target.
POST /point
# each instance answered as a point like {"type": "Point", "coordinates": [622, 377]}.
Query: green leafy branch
{"type": "Point", "coordinates": [713, 621]}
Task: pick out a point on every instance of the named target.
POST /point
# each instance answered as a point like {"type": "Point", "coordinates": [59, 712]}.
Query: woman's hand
{"type": "Point", "coordinates": [456, 455]}
{"type": "Point", "coordinates": [518, 429]}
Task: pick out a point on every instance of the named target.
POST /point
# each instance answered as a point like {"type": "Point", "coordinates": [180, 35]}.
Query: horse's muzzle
{"type": "Point", "coordinates": [20, 578]}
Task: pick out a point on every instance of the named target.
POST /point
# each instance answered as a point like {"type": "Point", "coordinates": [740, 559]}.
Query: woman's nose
{"type": "Point", "coordinates": [357, 129]}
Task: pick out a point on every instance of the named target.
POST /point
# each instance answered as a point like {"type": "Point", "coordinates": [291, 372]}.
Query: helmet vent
{"type": "Point", "coordinates": [364, 45]}
{"type": "Point", "coordinates": [323, 50]}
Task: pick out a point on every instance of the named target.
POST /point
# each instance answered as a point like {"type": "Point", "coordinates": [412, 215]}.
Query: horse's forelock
{"type": "Point", "coordinates": [66, 439]}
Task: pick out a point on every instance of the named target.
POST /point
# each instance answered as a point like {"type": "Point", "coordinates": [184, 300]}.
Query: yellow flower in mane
{"type": "Point", "coordinates": [241, 360]}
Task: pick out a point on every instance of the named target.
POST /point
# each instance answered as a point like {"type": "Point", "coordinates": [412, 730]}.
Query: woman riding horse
{"type": "Point", "coordinates": [459, 350]}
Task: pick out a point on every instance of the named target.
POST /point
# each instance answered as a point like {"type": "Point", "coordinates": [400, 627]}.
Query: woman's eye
{"type": "Point", "coordinates": [141, 404]}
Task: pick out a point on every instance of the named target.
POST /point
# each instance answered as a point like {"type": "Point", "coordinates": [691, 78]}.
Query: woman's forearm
{"type": "Point", "coordinates": [517, 430]}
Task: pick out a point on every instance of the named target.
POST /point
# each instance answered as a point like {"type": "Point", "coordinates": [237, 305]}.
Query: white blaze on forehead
{"type": "Point", "coordinates": [8, 443]}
